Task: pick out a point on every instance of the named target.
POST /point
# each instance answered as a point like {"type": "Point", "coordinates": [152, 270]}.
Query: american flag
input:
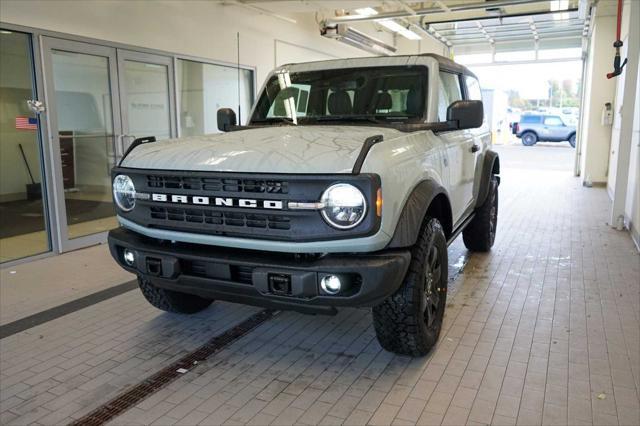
{"type": "Point", "coordinates": [26, 123]}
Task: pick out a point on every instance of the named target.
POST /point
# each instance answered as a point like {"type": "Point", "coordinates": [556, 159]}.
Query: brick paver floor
{"type": "Point", "coordinates": [544, 329]}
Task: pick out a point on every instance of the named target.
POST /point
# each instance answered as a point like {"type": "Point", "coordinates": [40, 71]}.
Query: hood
{"type": "Point", "coordinates": [274, 149]}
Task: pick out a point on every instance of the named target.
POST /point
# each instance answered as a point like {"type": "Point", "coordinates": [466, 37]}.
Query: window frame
{"type": "Point", "coordinates": [466, 87]}
{"type": "Point", "coordinates": [461, 86]}
{"type": "Point", "coordinates": [424, 72]}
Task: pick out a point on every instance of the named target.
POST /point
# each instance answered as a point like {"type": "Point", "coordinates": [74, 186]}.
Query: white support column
{"type": "Point", "coordinates": [627, 115]}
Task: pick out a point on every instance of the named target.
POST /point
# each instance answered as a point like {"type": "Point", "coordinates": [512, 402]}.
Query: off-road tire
{"type": "Point", "coordinates": [172, 301]}
{"type": "Point", "coordinates": [480, 233]}
{"type": "Point", "coordinates": [572, 141]}
{"type": "Point", "coordinates": [529, 139]}
{"type": "Point", "coordinates": [400, 321]}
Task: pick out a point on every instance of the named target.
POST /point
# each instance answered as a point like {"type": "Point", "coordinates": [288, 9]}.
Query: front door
{"type": "Point", "coordinates": [146, 85]}
{"type": "Point", "coordinates": [84, 128]}
{"type": "Point", "coordinates": [554, 128]}
{"type": "Point", "coordinates": [459, 146]}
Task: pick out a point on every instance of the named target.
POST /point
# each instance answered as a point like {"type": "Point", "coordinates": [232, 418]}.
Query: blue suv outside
{"type": "Point", "coordinates": [534, 128]}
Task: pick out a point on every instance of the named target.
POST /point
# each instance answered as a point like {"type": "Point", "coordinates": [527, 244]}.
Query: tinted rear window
{"type": "Point", "coordinates": [530, 119]}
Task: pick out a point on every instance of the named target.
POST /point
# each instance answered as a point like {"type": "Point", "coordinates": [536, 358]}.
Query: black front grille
{"type": "Point", "coordinates": [260, 186]}
{"type": "Point", "coordinates": [266, 216]}
{"type": "Point", "coordinates": [217, 217]}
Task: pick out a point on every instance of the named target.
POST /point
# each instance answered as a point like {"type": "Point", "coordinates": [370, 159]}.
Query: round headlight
{"type": "Point", "coordinates": [344, 206]}
{"type": "Point", "coordinates": [124, 192]}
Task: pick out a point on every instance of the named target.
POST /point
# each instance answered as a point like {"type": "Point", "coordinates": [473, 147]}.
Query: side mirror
{"type": "Point", "coordinates": [226, 119]}
{"type": "Point", "coordinates": [466, 114]}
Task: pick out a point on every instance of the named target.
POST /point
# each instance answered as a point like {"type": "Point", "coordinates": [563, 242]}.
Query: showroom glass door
{"type": "Point", "coordinates": [146, 96]}
{"type": "Point", "coordinates": [23, 207]}
{"type": "Point", "coordinates": [85, 131]}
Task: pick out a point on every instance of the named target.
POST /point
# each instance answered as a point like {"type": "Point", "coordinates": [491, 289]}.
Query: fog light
{"type": "Point", "coordinates": [330, 284]}
{"type": "Point", "coordinates": [129, 257]}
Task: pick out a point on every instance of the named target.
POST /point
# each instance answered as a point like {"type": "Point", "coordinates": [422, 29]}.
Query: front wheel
{"type": "Point", "coordinates": [572, 141]}
{"type": "Point", "coordinates": [409, 321]}
{"type": "Point", "coordinates": [480, 233]}
{"type": "Point", "coordinates": [529, 139]}
{"type": "Point", "coordinates": [172, 301]}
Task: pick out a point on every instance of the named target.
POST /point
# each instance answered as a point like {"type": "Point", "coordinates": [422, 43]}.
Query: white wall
{"type": "Point", "coordinates": [632, 210]}
{"type": "Point", "coordinates": [624, 99]}
{"type": "Point", "coordinates": [598, 91]}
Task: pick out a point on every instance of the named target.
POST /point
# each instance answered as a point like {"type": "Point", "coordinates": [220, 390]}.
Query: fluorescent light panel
{"type": "Point", "coordinates": [389, 24]}
{"type": "Point", "coordinates": [397, 28]}
{"type": "Point", "coordinates": [366, 11]}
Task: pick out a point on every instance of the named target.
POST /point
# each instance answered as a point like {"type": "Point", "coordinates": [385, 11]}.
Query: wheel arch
{"type": "Point", "coordinates": [529, 131]}
{"type": "Point", "coordinates": [427, 198]}
{"type": "Point", "coordinates": [490, 167]}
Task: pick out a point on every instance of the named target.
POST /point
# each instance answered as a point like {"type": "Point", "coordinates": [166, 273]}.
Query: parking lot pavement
{"type": "Point", "coordinates": [541, 330]}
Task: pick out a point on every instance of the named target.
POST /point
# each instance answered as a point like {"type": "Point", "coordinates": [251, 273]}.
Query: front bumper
{"type": "Point", "coordinates": [269, 279]}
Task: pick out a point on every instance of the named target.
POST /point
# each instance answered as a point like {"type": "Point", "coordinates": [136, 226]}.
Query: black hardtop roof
{"type": "Point", "coordinates": [448, 64]}
{"type": "Point", "coordinates": [445, 63]}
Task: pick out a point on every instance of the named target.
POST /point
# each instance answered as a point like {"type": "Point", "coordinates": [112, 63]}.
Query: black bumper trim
{"type": "Point", "coordinates": [212, 272]}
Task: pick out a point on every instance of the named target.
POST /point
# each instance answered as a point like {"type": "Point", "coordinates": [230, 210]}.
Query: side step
{"type": "Point", "coordinates": [459, 229]}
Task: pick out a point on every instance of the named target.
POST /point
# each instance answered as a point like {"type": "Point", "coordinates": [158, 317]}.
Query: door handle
{"type": "Point", "coordinates": [475, 148]}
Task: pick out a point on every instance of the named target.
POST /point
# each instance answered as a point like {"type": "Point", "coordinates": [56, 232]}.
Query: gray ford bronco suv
{"type": "Point", "coordinates": [344, 189]}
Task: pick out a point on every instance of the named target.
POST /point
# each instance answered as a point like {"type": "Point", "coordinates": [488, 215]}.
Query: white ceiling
{"type": "Point", "coordinates": [496, 25]}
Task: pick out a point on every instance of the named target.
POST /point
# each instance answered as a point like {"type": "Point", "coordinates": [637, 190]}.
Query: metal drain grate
{"type": "Point", "coordinates": [162, 378]}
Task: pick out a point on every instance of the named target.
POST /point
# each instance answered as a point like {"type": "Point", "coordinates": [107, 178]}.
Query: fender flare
{"type": "Point", "coordinates": [490, 166]}
{"type": "Point", "coordinates": [414, 212]}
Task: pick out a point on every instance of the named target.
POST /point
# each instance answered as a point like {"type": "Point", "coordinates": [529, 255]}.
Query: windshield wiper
{"type": "Point", "coordinates": [286, 120]}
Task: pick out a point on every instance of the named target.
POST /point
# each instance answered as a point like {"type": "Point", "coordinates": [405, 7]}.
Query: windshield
{"type": "Point", "coordinates": [381, 95]}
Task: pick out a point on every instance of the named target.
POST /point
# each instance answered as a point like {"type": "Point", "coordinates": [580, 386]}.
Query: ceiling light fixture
{"type": "Point", "coordinates": [389, 24]}
{"type": "Point", "coordinates": [357, 39]}
{"type": "Point", "coordinates": [366, 11]}
{"type": "Point", "coordinates": [397, 28]}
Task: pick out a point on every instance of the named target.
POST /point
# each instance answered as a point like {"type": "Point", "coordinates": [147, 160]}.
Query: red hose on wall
{"type": "Point", "coordinates": [617, 68]}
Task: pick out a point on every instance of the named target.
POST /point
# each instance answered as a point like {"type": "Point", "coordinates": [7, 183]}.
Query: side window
{"type": "Point", "coordinates": [553, 121]}
{"type": "Point", "coordinates": [530, 119]}
{"type": "Point", "coordinates": [473, 88]}
{"type": "Point", "coordinates": [449, 92]}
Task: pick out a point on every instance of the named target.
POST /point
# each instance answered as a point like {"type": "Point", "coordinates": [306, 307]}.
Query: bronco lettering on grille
{"type": "Point", "coordinates": [217, 201]}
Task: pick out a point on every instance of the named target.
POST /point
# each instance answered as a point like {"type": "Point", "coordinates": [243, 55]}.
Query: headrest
{"type": "Point", "coordinates": [383, 101]}
{"type": "Point", "coordinates": [340, 103]}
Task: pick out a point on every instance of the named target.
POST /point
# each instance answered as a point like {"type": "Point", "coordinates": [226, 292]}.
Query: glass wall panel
{"type": "Point", "coordinates": [204, 88]}
{"type": "Point", "coordinates": [85, 129]}
{"type": "Point", "coordinates": [22, 210]}
{"type": "Point", "coordinates": [146, 94]}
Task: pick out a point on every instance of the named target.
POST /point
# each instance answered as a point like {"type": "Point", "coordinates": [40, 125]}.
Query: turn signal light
{"type": "Point", "coordinates": [379, 203]}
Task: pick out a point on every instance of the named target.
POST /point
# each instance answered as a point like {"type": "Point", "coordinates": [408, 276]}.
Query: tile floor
{"type": "Point", "coordinates": [544, 329]}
